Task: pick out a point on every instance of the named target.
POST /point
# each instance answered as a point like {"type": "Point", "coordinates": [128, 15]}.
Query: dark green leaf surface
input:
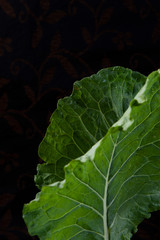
{"type": "Point", "coordinates": [109, 190]}
{"type": "Point", "coordinates": [82, 119]}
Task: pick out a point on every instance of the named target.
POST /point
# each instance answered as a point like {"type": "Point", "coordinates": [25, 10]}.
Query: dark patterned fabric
{"type": "Point", "coordinates": [46, 45]}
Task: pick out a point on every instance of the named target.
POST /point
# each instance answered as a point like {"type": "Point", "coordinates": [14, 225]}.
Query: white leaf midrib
{"type": "Point", "coordinates": [105, 208]}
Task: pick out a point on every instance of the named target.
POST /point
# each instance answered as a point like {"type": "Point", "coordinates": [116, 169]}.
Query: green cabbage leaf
{"type": "Point", "coordinates": [83, 118]}
{"type": "Point", "coordinates": [110, 187]}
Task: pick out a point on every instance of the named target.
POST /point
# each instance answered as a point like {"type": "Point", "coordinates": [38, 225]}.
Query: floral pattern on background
{"type": "Point", "coordinates": [45, 46]}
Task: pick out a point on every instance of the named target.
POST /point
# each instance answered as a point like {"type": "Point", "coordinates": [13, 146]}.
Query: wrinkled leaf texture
{"type": "Point", "coordinates": [82, 119]}
{"type": "Point", "coordinates": [111, 188]}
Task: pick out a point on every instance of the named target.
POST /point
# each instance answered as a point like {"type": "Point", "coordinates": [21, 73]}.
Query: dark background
{"type": "Point", "coordinates": [46, 45]}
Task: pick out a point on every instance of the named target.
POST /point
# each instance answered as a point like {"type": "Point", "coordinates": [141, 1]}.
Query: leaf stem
{"type": "Point", "coordinates": [105, 208]}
